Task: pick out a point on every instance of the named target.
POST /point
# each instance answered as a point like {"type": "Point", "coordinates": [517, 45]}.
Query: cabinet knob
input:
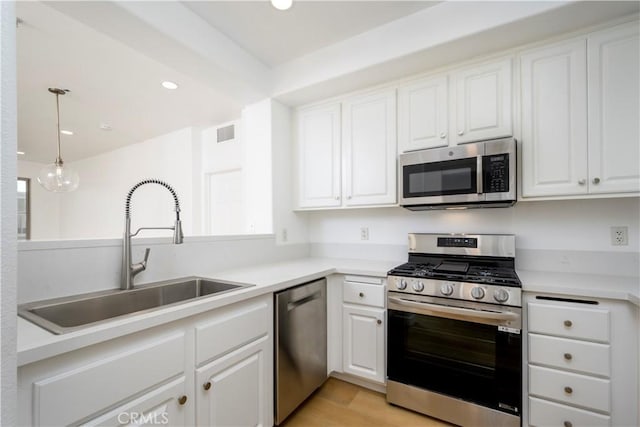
{"type": "Point", "coordinates": [582, 181]}
{"type": "Point", "coordinates": [348, 197]}
{"type": "Point", "coordinates": [596, 180]}
{"type": "Point", "coordinates": [567, 424]}
{"type": "Point", "coordinates": [443, 135]}
{"type": "Point", "coordinates": [460, 132]}
{"type": "Point", "coordinates": [568, 323]}
{"type": "Point", "coordinates": [182, 400]}
{"type": "Point", "coordinates": [337, 197]}
{"type": "Point", "coordinates": [568, 356]}
{"type": "Point", "coordinates": [379, 322]}
{"type": "Point", "coordinates": [568, 390]}
{"type": "Point", "coordinates": [361, 294]}
{"type": "Point", "coordinates": [207, 385]}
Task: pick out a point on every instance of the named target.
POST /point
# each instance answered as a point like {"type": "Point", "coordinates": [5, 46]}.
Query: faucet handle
{"type": "Point", "coordinates": [146, 256]}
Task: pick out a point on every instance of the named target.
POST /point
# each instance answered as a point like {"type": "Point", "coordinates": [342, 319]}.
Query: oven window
{"type": "Point", "coordinates": [465, 360]}
{"type": "Point", "coordinates": [440, 178]}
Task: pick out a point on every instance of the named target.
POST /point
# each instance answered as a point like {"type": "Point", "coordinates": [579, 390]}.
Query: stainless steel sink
{"type": "Point", "coordinates": [62, 315]}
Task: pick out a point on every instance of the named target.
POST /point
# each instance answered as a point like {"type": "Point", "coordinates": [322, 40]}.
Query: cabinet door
{"type": "Point", "coordinates": [318, 156]}
{"type": "Point", "coordinates": [482, 102]}
{"type": "Point", "coordinates": [168, 405]}
{"type": "Point", "coordinates": [369, 138]}
{"type": "Point", "coordinates": [422, 114]}
{"type": "Point", "coordinates": [614, 139]}
{"type": "Point", "coordinates": [234, 390]}
{"type": "Point", "coordinates": [554, 120]}
{"type": "Point", "coordinates": [363, 342]}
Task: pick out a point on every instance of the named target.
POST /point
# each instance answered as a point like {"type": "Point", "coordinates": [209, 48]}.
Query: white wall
{"type": "Point", "coordinates": [8, 209]}
{"type": "Point", "coordinates": [569, 225]}
{"type": "Point", "coordinates": [45, 205]}
{"type": "Point", "coordinates": [257, 161]}
{"type": "Point", "coordinates": [286, 223]}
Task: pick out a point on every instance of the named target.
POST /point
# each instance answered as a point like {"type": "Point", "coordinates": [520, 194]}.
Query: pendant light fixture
{"type": "Point", "coordinates": [56, 177]}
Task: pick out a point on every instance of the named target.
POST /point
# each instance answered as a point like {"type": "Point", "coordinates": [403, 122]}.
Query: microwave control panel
{"type": "Point", "coordinates": [495, 173]}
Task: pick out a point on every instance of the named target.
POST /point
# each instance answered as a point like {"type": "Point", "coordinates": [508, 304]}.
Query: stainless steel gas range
{"type": "Point", "coordinates": [454, 347]}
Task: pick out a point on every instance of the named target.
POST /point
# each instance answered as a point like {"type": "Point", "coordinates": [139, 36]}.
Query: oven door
{"type": "Point", "coordinates": [456, 348]}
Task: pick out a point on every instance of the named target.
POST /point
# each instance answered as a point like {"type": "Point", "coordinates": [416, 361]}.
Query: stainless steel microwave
{"type": "Point", "coordinates": [482, 174]}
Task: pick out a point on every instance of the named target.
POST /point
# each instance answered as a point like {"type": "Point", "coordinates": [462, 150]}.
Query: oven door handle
{"type": "Point", "coordinates": [454, 312]}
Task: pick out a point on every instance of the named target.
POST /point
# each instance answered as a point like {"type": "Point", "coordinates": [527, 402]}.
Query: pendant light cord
{"type": "Point", "coordinates": [58, 159]}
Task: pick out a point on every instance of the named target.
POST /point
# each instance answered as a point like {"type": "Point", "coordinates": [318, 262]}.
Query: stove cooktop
{"type": "Point", "coordinates": [459, 272]}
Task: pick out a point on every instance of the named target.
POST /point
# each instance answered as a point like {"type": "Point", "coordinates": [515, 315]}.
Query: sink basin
{"type": "Point", "coordinates": [63, 315]}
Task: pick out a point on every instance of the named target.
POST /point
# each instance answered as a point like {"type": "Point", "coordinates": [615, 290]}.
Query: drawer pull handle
{"type": "Point", "coordinates": [379, 322]}
{"type": "Point", "coordinates": [568, 323]}
{"type": "Point", "coordinates": [568, 390]}
{"type": "Point", "coordinates": [182, 400]}
{"type": "Point", "coordinates": [568, 356]}
{"type": "Point", "coordinates": [361, 295]}
{"type": "Point", "coordinates": [207, 385]}
{"type": "Point", "coordinates": [567, 424]}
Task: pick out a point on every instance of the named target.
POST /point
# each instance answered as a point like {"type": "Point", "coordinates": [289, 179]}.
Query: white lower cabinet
{"type": "Point", "coordinates": [582, 362]}
{"type": "Point", "coordinates": [363, 323]}
{"type": "Point", "coordinates": [165, 405]}
{"type": "Point", "coordinates": [232, 389]}
{"type": "Point", "coordinates": [156, 376]}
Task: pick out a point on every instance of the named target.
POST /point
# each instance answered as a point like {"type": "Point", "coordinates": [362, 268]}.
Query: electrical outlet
{"type": "Point", "coordinates": [620, 236]}
{"type": "Point", "coordinates": [285, 236]}
{"type": "Point", "coordinates": [364, 233]}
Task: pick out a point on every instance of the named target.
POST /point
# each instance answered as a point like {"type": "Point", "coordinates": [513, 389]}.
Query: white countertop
{"type": "Point", "coordinates": [35, 343]}
{"type": "Point", "coordinates": [585, 285]}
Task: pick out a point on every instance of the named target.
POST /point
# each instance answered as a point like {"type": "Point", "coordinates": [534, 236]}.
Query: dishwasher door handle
{"type": "Point", "coordinates": [295, 304]}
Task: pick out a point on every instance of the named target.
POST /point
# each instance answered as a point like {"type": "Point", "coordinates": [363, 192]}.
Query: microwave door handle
{"type": "Point", "coordinates": [479, 175]}
{"type": "Point", "coordinates": [428, 308]}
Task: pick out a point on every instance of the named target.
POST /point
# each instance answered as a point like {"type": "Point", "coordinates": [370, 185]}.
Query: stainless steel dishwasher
{"type": "Point", "coordinates": [301, 345]}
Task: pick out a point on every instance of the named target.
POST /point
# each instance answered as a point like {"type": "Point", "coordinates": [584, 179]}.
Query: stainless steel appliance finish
{"type": "Point", "coordinates": [448, 408]}
{"type": "Point", "coordinates": [454, 347]}
{"type": "Point", "coordinates": [301, 345]}
{"type": "Point", "coordinates": [481, 174]}
{"type": "Point", "coordinates": [63, 315]}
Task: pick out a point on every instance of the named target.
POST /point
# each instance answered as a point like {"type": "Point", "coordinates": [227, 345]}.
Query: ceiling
{"type": "Point", "coordinates": [113, 56]}
{"type": "Point", "coordinates": [111, 82]}
{"type": "Point", "coordinates": [306, 27]}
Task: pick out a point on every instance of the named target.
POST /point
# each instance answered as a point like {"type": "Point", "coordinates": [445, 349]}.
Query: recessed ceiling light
{"type": "Point", "coordinates": [66, 132]}
{"type": "Point", "coordinates": [20, 153]}
{"type": "Point", "coordinates": [282, 4]}
{"type": "Point", "coordinates": [169, 85]}
{"type": "Point", "coordinates": [105, 126]}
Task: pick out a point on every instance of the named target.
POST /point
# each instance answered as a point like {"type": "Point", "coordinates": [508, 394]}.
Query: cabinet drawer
{"type": "Point", "coordinates": [543, 413]}
{"type": "Point", "coordinates": [73, 395]}
{"type": "Point", "coordinates": [232, 329]}
{"type": "Point", "coordinates": [579, 390]}
{"type": "Point", "coordinates": [363, 293]}
{"type": "Point", "coordinates": [569, 321]}
{"type": "Point", "coordinates": [590, 358]}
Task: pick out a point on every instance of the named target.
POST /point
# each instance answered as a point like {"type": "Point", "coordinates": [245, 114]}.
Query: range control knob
{"type": "Point", "coordinates": [477, 292]}
{"type": "Point", "coordinates": [446, 289]}
{"type": "Point", "coordinates": [402, 284]}
{"type": "Point", "coordinates": [418, 286]}
{"type": "Point", "coordinates": [500, 295]}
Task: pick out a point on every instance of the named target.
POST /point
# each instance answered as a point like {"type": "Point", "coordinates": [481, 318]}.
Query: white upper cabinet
{"type": "Point", "coordinates": [369, 149]}
{"type": "Point", "coordinates": [318, 152]}
{"type": "Point", "coordinates": [614, 112]}
{"type": "Point", "coordinates": [423, 111]}
{"type": "Point", "coordinates": [482, 102]}
{"type": "Point", "coordinates": [554, 120]}
{"type": "Point", "coordinates": [580, 109]}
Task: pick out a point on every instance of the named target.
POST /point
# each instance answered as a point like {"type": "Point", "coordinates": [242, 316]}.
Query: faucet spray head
{"type": "Point", "coordinates": [177, 233]}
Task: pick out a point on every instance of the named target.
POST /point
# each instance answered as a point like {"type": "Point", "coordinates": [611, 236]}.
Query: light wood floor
{"type": "Point", "coordinates": [338, 403]}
